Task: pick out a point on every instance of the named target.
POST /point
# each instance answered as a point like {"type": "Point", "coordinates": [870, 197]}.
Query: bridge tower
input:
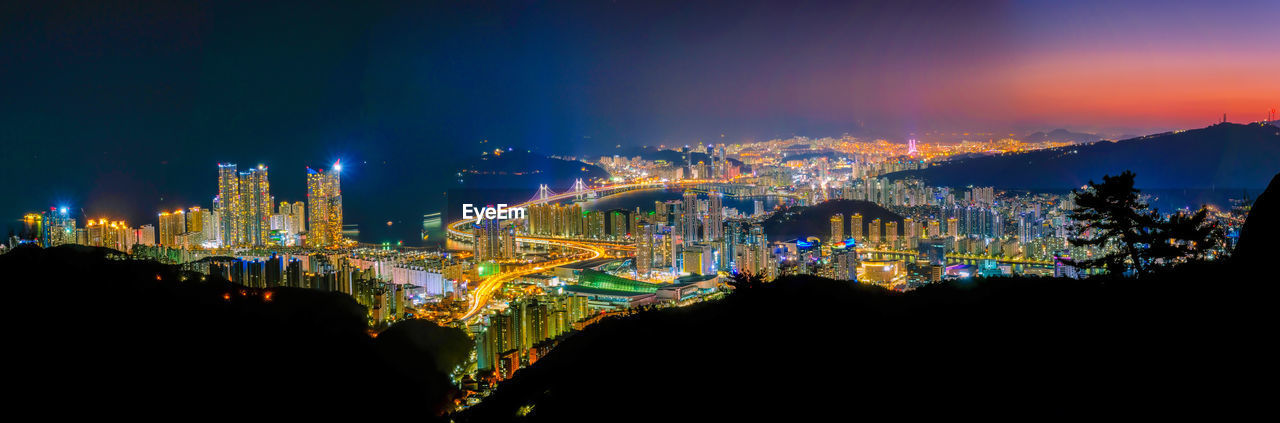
{"type": "Point", "coordinates": [544, 192]}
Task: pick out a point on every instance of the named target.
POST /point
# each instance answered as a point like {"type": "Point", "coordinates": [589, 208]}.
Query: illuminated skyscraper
{"type": "Point", "coordinates": [690, 217]}
{"type": "Point", "coordinates": [172, 225]}
{"type": "Point", "coordinates": [212, 231]}
{"type": "Point", "coordinates": [617, 224]}
{"type": "Point", "coordinates": [324, 207]}
{"type": "Point", "coordinates": [891, 234]}
{"type": "Point", "coordinates": [855, 226]}
{"type": "Point", "coordinates": [644, 249]}
{"type": "Point", "coordinates": [715, 216]}
{"type": "Point", "coordinates": [56, 227]}
{"type": "Point", "coordinates": [146, 235]}
{"type": "Point", "coordinates": [256, 205]}
{"type": "Point", "coordinates": [297, 217]}
{"type": "Point", "coordinates": [487, 242]}
{"type": "Point", "coordinates": [509, 241]}
{"type": "Point", "coordinates": [228, 205]}
{"type": "Point", "coordinates": [837, 228]}
{"type": "Point", "coordinates": [197, 219]}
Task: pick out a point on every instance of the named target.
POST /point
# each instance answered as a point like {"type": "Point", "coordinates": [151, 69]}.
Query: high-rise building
{"type": "Point", "coordinates": [196, 219]}
{"type": "Point", "coordinates": [715, 216]}
{"type": "Point", "coordinates": [487, 236]}
{"type": "Point", "coordinates": [172, 225]}
{"type": "Point", "coordinates": [846, 265]}
{"type": "Point", "coordinates": [509, 241]}
{"type": "Point", "coordinates": [617, 224]}
{"type": "Point", "coordinates": [873, 235]}
{"type": "Point", "coordinates": [256, 205]}
{"type": "Point", "coordinates": [146, 235]}
{"type": "Point", "coordinates": [855, 226]}
{"type": "Point", "coordinates": [297, 217]}
{"type": "Point", "coordinates": [837, 227]}
{"type": "Point", "coordinates": [324, 207]}
{"type": "Point", "coordinates": [891, 234]}
{"type": "Point", "coordinates": [594, 226]}
{"type": "Point", "coordinates": [644, 249]}
{"type": "Point", "coordinates": [58, 228]}
{"type": "Point", "coordinates": [227, 204]}
{"type": "Point", "coordinates": [282, 218]}
{"type": "Point", "coordinates": [110, 234]}
{"type": "Point", "coordinates": [212, 233]}
{"type": "Point", "coordinates": [690, 217]}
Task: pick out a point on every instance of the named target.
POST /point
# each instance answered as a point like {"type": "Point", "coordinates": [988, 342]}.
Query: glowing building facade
{"type": "Point", "coordinates": [324, 207]}
{"type": "Point", "coordinates": [227, 204]}
{"type": "Point", "coordinates": [256, 205]}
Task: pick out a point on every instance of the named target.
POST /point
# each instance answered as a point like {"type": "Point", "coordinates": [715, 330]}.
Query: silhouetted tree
{"type": "Point", "coordinates": [1184, 237]}
{"type": "Point", "coordinates": [1113, 219]}
{"type": "Point", "coordinates": [746, 280]}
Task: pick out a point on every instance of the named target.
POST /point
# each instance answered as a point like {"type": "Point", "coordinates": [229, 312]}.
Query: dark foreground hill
{"type": "Point", "coordinates": [806, 348]}
{"type": "Point", "coordinates": [802, 222]}
{"type": "Point", "coordinates": [1188, 342]}
{"type": "Point", "coordinates": [1224, 156]}
{"type": "Point", "coordinates": [90, 334]}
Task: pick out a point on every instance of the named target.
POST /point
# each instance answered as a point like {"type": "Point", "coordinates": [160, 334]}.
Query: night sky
{"type": "Point", "coordinates": [123, 110]}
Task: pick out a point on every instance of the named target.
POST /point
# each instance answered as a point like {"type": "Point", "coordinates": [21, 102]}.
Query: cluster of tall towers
{"type": "Point", "coordinates": [244, 205]}
{"type": "Point", "coordinates": [244, 208]}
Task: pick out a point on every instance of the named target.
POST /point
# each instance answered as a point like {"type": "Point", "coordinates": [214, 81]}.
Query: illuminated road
{"type": "Point", "coordinates": [488, 286]}
{"type": "Point", "coordinates": [590, 249]}
{"type": "Point", "coordinates": [481, 295]}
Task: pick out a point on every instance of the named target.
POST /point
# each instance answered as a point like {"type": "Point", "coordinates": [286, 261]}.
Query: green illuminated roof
{"type": "Point", "coordinates": [597, 279]}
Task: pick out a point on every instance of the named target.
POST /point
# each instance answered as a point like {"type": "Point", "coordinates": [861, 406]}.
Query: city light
{"type": "Point", "coordinates": [816, 211]}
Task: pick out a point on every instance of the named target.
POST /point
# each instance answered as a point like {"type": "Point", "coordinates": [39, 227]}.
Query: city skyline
{"type": "Point", "coordinates": [491, 211]}
{"type": "Point", "coordinates": [371, 84]}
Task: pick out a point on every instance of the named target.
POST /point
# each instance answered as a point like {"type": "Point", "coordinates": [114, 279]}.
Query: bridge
{"type": "Point", "coordinates": [587, 249]}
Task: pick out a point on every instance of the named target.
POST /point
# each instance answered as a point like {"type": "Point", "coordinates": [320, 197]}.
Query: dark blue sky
{"type": "Point", "coordinates": [123, 108]}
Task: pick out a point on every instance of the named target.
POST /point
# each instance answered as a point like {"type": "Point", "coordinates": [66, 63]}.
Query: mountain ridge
{"type": "Point", "coordinates": [1222, 155]}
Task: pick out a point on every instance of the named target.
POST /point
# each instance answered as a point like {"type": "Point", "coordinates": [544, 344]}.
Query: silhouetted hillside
{"type": "Point", "coordinates": [1261, 230]}
{"type": "Point", "coordinates": [1061, 135]}
{"type": "Point", "coordinates": [1223, 156]}
{"type": "Point", "coordinates": [802, 222]}
{"type": "Point", "coordinates": [135, 337]}
{"type": "Point", "coordinates": [810, 348]}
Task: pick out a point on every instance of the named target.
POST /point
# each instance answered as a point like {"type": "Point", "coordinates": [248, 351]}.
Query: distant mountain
{"type": "Point", "coordinates": [524, 170]}
{"type": "Point", "coordinates": [803, 222]}
{"type": "Point", "coordinates": [1223, 156]}
{"type": "Point", "coordinates": [1062, 135]}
